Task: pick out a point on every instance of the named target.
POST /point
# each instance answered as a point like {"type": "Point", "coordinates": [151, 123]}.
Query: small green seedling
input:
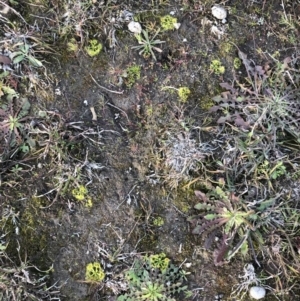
{"type": "Point", "coordinates": [147, 45]}
{"type": "Point", "coordinates": [16, 169]}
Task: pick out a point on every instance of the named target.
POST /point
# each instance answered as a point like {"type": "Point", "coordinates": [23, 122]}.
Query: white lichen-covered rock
{"type": "Point", "coordinates": [135, 27]}
{"type": "Point", "coordinates": [219, 12]}
{"type": "Point", "coordinates": [257, 292]}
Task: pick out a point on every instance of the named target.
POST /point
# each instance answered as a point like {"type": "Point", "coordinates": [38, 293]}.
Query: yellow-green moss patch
{"type": "Point", "coordinates": [94, 272]}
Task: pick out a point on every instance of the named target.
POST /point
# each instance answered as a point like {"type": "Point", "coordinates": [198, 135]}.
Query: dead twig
{"type": "Point", "coordinates": [111, 91]}
{"type": "Point", "coordinates": [14, 11]}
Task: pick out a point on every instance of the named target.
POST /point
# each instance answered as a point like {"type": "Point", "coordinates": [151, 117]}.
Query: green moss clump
{"type": "Point", "coordinates": [159, 221]}
{"type": "Point", "coordinates": [94, 272]}
{"type": "Point", "coordinates": [167, 22]}
{"type": "Point", "coordinates": [93, 48]}
{"type": "Point", "coordinates": [72, 45]}
{"type": "Point", "coordinates": [81, 194]}
{"type": "Point", "coordinates": [206, 103]}
{"type": "Point", "coordinates": [159, 261]}
{"type": "Point", "coordinates": [225, 48]}
{"type": "Point", "coordinates": [132, 74]}
{"type": "Point", "coordinates": [217, 67]}
{"type": "Point", "coordinates": [237, 63]}
{"type": "Point", "coordinates": [184, 93]}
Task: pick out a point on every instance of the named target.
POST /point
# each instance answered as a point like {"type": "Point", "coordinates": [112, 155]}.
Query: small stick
{"type": "Point", "coordinates": [9, 7]}
{"type": "Point", "coordinates": [119, 110]}
{"type": "Point", "coordinates": [94, 118]}
{"type": "Point", "coordinates": [116, 92]}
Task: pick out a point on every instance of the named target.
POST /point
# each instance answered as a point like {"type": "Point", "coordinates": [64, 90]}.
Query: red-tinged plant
{"type": "Point", "coordinates": [227, 213]}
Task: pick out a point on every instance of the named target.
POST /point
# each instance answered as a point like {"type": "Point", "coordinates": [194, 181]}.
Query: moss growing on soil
{"type": "Point", "coordinates": [237, 63]}
{"type": "Point", "coordinates": [206, 103]}
{"type": "Point", "coordinates": [34, 234]}
{"type": "Point", "coordinates": [72, 45]}
{"type": "Point", "coordinates": [225, 49]}
{"type": "Point", "coordinates": [81, 194]}
{"type": "Point", "coordinates": [158, 221]}
{"type": "Point", "coordinates": [183, 197]}
{"type": "Point", "coordinates": [94, 48]}
{"type": "Point", "coordinates": [184, 93]}
{"type": "Point", "coordinates": [159, 261]}
{"type": "Point", "coordinates": [94, 272]}
{"type": "Point", "coordinates": [167, 22]}
{"type": "Point", "coordinates": [132, 74]}
{"type": "Point", "coordinates": [216, 67]}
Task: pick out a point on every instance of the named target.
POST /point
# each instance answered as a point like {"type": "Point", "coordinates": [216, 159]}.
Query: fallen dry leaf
{"type": "Point", "coordinates": [5, 59]}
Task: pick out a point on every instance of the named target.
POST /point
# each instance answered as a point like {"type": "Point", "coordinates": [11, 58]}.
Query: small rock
{"type": "Point", "coordinates": [188, 265]}
{"type": "Point", "coordinates": [257, 292]}
{"type": "Point", "coordinates": [219, 12]}
{"type": "Point", "coordinates": [177, 25]}
{"type": "Point", "coordinates": [135, 27]}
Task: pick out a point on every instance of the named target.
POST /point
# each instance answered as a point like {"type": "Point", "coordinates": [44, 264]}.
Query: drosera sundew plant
{"type": "Point", "coordinates": [159, 261]}
{"type": "Point", "coordinates": [158, 221]}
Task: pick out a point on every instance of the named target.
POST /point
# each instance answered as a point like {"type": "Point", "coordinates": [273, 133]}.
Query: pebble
{"type": "Point", "coordinates": [219, 12]}
{"type": "Point", "coordinates": [257, 292]}
{"type": "Point", "coordinates": [135, 27]}
{"type": "Point", "coordinates": [219, 297]}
